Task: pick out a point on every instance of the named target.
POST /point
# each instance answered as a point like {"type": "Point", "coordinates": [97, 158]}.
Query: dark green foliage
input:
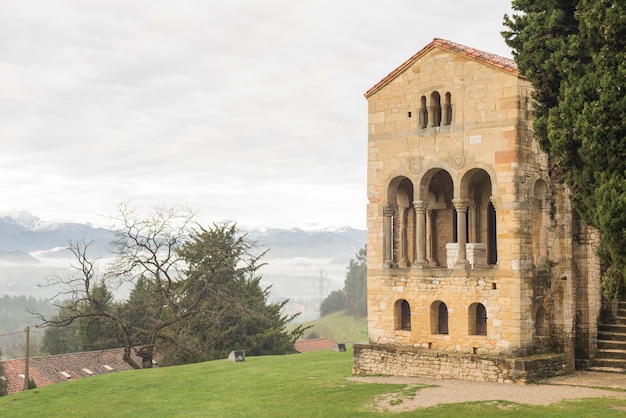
{"type": "Point", "coordinates": [196, 295]}
{"type": "Point", "coordinates": [612, 283]}
{"type": "Point", "coordinates": [356, 285]}
{"type": "Point", "coordinates": [61, 339]}
{"type": "Point", "coordinates": [99, 332]}
{"type": "Point", "coordinates": [235, 314]}
{"type": "Point", "coordinates": [91, 331]}
{"type": "Point", "coordinates": [334, 302]}
{"type": "Point", "coordinates": [572, 51]}
{"type": "Point", "coordinates": [353, 297]}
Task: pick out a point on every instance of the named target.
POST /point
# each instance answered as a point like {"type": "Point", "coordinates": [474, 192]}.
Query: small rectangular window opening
{"type": "Point", "coordinates": [409, 114]}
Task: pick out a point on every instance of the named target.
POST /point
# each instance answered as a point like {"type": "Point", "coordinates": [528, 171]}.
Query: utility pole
{"type": "Point", "coordinates": [26, 378]}
{"type": "Point", "coordinates": [320, 289]}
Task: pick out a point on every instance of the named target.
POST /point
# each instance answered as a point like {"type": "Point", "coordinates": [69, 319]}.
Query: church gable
{"type": "Point", "coordinates": [451, 87]}
{"type": "Point", "coordinates": [439, 47]}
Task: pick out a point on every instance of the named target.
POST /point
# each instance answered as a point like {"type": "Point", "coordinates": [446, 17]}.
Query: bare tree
{"type": "Point", "coordinates": [196, 291]}
{"type": "Point", "coordinates": [147, 248]}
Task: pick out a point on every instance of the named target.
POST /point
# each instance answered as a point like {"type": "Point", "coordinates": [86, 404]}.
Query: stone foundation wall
{"type": "Point", "coordinates": [377, 359]}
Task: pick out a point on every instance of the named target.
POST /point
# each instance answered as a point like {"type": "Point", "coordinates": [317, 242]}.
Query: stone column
{"type": "Point", "coordinates": [429, 238]}
{"type": "Point", "coordinates": [388, 211]}
{"type": "Point", "coordinates": [473, 222]}
{"type": "Point", "coordinates": [445, 114]}
{"type": "Point", "coordinates": [403, 262]}
{"type": "Point", "coordinates": [420, 233]}
{"type": "Point", "coordinates": [461, 206]}
{"type": "Point", "coordinates": [432, 115]}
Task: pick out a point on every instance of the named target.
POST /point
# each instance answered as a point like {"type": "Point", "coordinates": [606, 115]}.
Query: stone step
{"type": "Point", "coordinates": [607, 369]}
{"type": "Point", "coordinates": [620, 319]}
{"type": "Point", "coordinates": [612, 363]}
{"type": "Point", "coordinates": [611, 344]}
{"type": "Point", "coordinates": [611, 353]}
{"type": "Point", "coordinates": [612, 336]}
{"type": "Point", "coordinates": [614, 328]}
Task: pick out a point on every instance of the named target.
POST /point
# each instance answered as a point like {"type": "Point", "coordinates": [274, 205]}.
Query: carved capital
{"type": "Point", "coordinates": [461, 205]}
{"type": "Point", "coordinates": [389, 210]}
{"type": "Point", "coordinates": [420, 205]}
{"type": "Point", "coordinates": [493, 202]}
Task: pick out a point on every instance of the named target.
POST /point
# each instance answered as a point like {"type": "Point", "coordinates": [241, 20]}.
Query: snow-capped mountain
{"type": "Point", "coordinates": [31, 250]}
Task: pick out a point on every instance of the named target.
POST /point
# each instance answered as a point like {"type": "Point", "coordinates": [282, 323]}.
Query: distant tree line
{"type": "Point", "coordinates": [353, 297]}
{"type": "Point", "coordinates": [15, 316]}
{"type": "Point", "coordinates": [196, 295]}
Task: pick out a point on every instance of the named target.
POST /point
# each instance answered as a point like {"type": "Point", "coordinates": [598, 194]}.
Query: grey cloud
{"type": "Point", "coordinates": [243, 109]}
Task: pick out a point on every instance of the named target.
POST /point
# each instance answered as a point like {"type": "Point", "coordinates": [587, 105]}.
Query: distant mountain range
{"type": "Point", "coordinates": [25, 232]}
{"type": "Point", "coordinates": [297, 259]}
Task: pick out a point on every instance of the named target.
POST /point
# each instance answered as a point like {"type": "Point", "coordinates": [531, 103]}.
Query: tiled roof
{"type": "Point", "coordinates": [506, 64]}
{"type": "Point", "coordinates": [63, 367]}
{"type": "Point", "coordinates": [314, 344]}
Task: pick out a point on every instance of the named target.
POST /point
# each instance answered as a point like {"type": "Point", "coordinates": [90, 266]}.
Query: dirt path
{"type": "Point", "coordinates": [554, 390]}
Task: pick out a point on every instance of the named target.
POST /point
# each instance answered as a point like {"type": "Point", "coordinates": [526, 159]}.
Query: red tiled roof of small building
{"type": "Point", "coordinates": [314, 344]}
{"type": "Point", "coordinates": [47, 370]}
{"type": "Point", "coordinates": [503, 63]}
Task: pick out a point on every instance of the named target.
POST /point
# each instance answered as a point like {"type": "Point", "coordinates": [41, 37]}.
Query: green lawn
{"type": "Point", "coordinates": [339, 327]}
{"type": "Point", "coordinates": [299, 385]}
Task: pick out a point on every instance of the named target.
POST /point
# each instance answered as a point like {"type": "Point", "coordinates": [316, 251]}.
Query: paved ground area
{"type": "Point", "coordinates": [553, 390]}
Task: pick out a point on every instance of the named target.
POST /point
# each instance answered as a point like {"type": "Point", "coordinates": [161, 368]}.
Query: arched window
{"type": "Point", "coordinates": [477, 319]}
{"type": "Point", "coordinates": [399, 224]}
{"type": "Point", "coordinates": [446, 110]}
{"type": "Point", "coordinates": [423, 113]}
{"type": "Point", "coordinates": [434, 110]}
{"type": "Point", "coordinates": [440, 222]}
{"type": "Point", "coordinates": [540, 322]}
{"type": "Point", "coordinates": [403, 315]}
{"type": "Point", "coordinates": [438, 318]}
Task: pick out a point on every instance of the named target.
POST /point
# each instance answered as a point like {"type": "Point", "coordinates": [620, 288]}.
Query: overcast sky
{"type": "Point", "coordinates": [245, 110]}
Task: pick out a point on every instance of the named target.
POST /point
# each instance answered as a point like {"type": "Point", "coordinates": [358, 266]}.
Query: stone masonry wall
{"type": "Point", "coordinates": [525, 281]}
{"type": "Point", "coordinates": [377, 359]}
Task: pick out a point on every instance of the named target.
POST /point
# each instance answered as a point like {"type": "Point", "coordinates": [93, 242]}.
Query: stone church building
{"type": "Point", "coordinates": [478, 266]}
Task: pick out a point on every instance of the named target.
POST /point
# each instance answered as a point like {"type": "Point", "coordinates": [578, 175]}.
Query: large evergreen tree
{"type": "Point", "coordinates": [236, 313]}
{"type": "Point", "coordinates": [572, 51]}
{"type": "Point", "coordinates": [196, 293]}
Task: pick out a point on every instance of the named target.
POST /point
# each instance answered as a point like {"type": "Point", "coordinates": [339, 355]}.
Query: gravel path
{"type": "Point", "coordinates": [553, 390]}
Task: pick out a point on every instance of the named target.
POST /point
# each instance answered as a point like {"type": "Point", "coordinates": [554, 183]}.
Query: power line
{"type": "Point", "coordinates": [12, 333]}
{"type": "Point", "coordinates": [20, 332]}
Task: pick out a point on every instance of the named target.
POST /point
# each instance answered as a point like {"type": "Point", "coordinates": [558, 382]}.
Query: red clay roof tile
{"type": "Point", "coordinates": [47, 370]}
{"type": "Point", "coordinates": [314, 344]}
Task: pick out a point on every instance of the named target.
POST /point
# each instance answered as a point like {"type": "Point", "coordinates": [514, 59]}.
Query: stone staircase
{"type": "Point", "coordinates": [611, 355]}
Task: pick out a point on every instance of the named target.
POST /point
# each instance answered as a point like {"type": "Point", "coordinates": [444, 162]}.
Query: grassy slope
{"type": "Point", "coordinates": [303, 385]}
{"type": "Point", "coordinates": [339, 327]}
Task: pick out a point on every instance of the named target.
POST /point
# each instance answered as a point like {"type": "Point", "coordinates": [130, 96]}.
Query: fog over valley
{"type": "Point", "coordinates": [300, 264]}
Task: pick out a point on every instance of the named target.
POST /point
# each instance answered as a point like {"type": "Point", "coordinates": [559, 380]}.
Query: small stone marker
{"type": "Point", "coordinates": [237, 355]}
{"type": "Point", "coordinates": [340, 347]}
